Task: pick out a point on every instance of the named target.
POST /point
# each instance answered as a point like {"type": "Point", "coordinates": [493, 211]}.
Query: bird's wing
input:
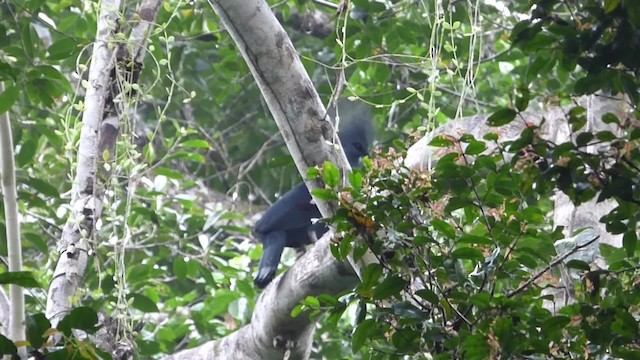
{"type": "Point", "coordinates": [292, 211]}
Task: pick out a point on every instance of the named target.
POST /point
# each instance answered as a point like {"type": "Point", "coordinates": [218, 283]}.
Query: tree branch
{"type": "Point", "coordinates": [555, 262]}
{"type": "Point", "coordinates": [272, 332]}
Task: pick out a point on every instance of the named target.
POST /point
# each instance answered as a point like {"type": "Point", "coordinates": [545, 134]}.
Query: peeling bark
{"type": "Point", "coordinates": [99, 134]}
{"type": "Point", "coordinates": [88, 191]}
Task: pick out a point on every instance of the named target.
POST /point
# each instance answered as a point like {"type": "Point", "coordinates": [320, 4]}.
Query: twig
{"type": "Point", "coordinates": [552, 264]}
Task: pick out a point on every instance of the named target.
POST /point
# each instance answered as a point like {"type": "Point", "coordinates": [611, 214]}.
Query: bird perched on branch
{"type": "Point", "coordinates": [288, 222]}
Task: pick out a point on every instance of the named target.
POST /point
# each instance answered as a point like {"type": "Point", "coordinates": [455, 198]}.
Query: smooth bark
{"type": "Point", "coordinates": [17, 325]}
{"type": "Point", "coordinates": [88, 191]}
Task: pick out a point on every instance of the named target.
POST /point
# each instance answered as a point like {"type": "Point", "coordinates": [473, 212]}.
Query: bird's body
{"type": "Point", "coordinates": [291, 220]}
{"type": "Point", "coordinates": [287, 223]}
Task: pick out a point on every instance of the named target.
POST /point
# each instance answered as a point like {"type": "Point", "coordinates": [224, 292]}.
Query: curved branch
{"type": "Point", "coordinates": [272, 332]}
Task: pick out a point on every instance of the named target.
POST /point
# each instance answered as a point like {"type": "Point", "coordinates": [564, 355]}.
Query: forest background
{"type": "Point", "coordinates": [472, 259]}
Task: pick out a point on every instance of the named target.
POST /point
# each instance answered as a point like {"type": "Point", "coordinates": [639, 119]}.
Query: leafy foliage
{"type": "Point", "coordinates": [464, 256]}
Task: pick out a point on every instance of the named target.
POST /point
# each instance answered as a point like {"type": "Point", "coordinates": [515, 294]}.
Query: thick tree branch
{"type": "Point", "coordinates": [272, 332]}
{"type": "Point", "coordinates": [285, 86]}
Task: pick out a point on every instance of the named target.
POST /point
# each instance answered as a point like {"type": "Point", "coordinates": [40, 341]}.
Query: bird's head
{"type": "Point", "coordinates": [355, 128]}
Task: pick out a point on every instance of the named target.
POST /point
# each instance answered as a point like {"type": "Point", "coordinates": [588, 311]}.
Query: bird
{"type": "Point", "coordinates": [289, 221]}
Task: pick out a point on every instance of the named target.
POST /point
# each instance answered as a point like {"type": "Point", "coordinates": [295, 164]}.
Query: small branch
{"type": "Point", "coordinates": [551, 265]}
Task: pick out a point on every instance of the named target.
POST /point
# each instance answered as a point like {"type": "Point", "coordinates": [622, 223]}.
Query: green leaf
{"type": "Point", "coordinates": [606, 136]}
{"type": "Point", "coordinates": [107, 285]}
{"type": "Point", "coordinates": [527, 260]}
{"type": "Point", "coordinates": [355, 180]}
{"type": "Point", "coordinates": [441, 141]}
{"type": "Point", "coordinates": [481, 299]}
{"type": "Point", "coordinates": [42, 187]}
{"type": "Point", "coordinates": [584, 139]}
{"type": "Point", "coordinates": [492, 136]}
{"type": "Point", "coordinates": [405, 309]}
{"type": "Point", "coordinates": [502, 117]}
{"type": "Point", "coordinates": [522, 99]}
{"type": "Point", "coordinates": [219, 302]}
{"type": "Point", "coordinates": [364, 331]}
{"type": "Point", "coordinates": [186, 155]}
{"type": "Point", "coordinates": [578, 264]}
{"type": "Point", "coordinates": [21, 278]}
{"type": "Point", "coordinates": [171, 174]}
{"type": "Point", "coordinates": [533, 215]}
{"type": "Point", "coordinates": [81, 318]}
{"type": "Point", "coordinates": [36, 240]}
{"type": "Point", "coordinates": [26, 153]}
{"type": "Point", "coordinates": [62, 49]}
{"type": "Point", "coordinates": [7, 98]}
{"type": "Point", "coordinates": [195, 143]}
{"type": "Point", "coordinates": [143, 303]}
{"type": "Point", "coordinates": [205, 273]}
{"type": "Point", "coordinates": [180, 267]}
{"type": "Point", "coordinates": [610, 5]}
{"type": "Point", "coordinates": [629, 242]}
{"type": "Point", "coordinates": [475, 147]}
{"type": "Point", "coordinates": [313, 173]}
{"type": "Point", "coordinates": [635, 134]}
{"type": "Point", "coordinates": [428, 295]}
{"type": "Point", "coordinates": [297, 310]}
{"type": "Point", "coordinates": [52, 75]}
{"type": "Point", "coordinates": [330, 174]}
{"type": "Point", "coordinates": [390, 286]}
{"type": "Point", "coordinates": [625, 324]}
{"type": "Point", "coordinates": [7, 347]}
{"type": "Point", "coordinates": [556, 323]}
{"type": "Point", "coordinates": [444, 228]}
{"type": "Point", "coordinates": [361, 311]}
{"type": "Point", "coordinates": [324, 194]}
{"type": "Point", "coordinates": [370, 275]}
{"type": "Point", "coordinates": [474, 239]}
{"type": "Point", "coordinates": [311, 301]}
{"type": "Point", "coordinates": [27, 42]}
{"type": "Point", "coordinates": [467, 253]}
{"type": "Point", "coordinates": [38, 92]}
{"type": "Point", "coordinates": [610, 118]}
{"type": "Point", "coordinates": [37, 325]}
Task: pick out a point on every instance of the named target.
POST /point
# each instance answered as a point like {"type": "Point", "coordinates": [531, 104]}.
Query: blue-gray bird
{"type": "Point", "coordinates": [287, 223]}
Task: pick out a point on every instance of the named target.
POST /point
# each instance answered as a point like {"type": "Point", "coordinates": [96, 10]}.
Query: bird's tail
{"type": "Point", "coordinates": [273, 245]}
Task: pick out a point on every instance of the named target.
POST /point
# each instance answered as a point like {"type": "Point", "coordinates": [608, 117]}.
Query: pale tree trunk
{"type": "Point", "coordinates": [5, 309]}
{"type": "Point", "coordinates": [587, 215]}
{"type": "Point", "coordinates": [17, 325]}
{"type": "Point", "coordinates": [99, 133]}
{"type": "Point", "coordinates": [88, 190]}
